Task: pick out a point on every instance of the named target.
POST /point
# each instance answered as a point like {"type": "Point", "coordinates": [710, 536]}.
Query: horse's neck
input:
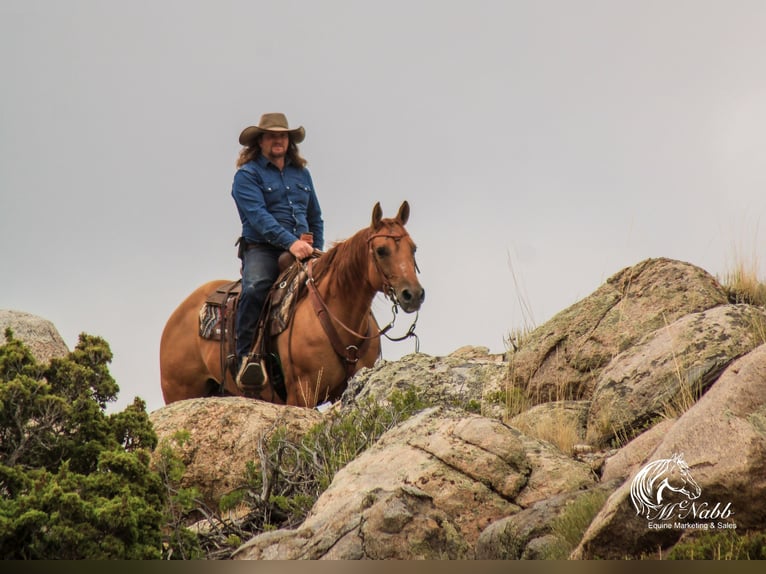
{"type": "Point", "coordinates": [346, 289]}
{"type": "Point", "coordinates": [347, 301]}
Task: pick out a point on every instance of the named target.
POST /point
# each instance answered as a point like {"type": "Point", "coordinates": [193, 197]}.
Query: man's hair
{"type": "Point", "coordinates": [251, 152]}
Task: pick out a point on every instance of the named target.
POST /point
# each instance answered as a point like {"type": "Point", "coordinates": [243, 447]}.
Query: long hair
{"type": "Point", "coordinates": [251, 152]}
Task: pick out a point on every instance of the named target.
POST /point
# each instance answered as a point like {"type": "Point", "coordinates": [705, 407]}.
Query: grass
{"type": "Point", "coordinates": [688, 393]}
{"type": "Point", "coordinates": [515, 338]}
{"type": "Point", "coordinates": [559, 428]}
{"type": "Point", "coordinates": [723, 545]}
{"type": "Point", "coordinates": [742, 283]}
{"type": "Point", "coordinates": [571, 524]}
{"type": "Point", "coordinates": [561, 431]}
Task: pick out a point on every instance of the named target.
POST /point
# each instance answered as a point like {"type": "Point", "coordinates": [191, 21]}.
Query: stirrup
{"type": "Point", "coordinates": [251, 378]}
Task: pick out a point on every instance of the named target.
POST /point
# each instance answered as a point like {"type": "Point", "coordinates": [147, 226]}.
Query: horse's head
{"type": "Point", "coordinates": [678, 478]}
{"type": "Point", "coordinates": [393, 269]}
{"type": "Point", "coordinates": [651, 487]}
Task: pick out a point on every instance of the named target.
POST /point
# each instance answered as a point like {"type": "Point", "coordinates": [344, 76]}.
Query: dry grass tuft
{"type": "Point", "coordinates": [741, 281]}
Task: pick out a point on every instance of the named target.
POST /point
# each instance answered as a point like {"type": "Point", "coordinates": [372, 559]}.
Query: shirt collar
{"type": "Point", "coordinates": [263, 162]}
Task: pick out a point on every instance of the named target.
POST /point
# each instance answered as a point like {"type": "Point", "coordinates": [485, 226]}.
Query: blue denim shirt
{"type": "Point", "coordinates": [276, 206]}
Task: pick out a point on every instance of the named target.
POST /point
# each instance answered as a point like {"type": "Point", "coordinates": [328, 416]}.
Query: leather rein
{"type": "Point", "coordinates": [349, 354]}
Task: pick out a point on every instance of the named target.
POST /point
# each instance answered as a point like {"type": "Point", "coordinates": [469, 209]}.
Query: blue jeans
{"type": "Point", "coordinates": [260, 268]}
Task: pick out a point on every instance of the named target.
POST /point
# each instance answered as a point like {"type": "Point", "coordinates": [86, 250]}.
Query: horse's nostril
{"type": "Point", "coordinates": [406, 295]}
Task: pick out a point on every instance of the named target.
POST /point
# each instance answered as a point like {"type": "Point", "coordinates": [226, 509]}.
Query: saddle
{"type": "Point", "coordinates": [217, 318]}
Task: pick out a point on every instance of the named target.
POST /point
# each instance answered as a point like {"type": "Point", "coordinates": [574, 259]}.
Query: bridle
{"type": "Point", "coordinates": [387, 288]}
{"type": "Point", "coordinates": [349, 354]}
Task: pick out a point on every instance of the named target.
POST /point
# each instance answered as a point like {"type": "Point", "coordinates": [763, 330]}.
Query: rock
{"type": "Point", "coordinates": [38, 334]}
{"type": "Point", "coordinates": [552, 472]}
{"type": "Point", "coordinates": [665, 372]}
{"type": "Point", "coordinates": [562, 359]}
{"type": "Point", "coordinates": [224, 435]}
{"type": "Point", "coordinates": [459, 380]}
{"type": "Point", "coordinates": [531, 534]}
{"type": "Point", "coordinates": [723, 441]}
{"type": "Point", "coordinates": [426, 489]}
{"type": "Point", "coordinates": [628, 459]}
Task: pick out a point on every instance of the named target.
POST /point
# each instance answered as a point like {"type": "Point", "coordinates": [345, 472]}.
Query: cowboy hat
{"type": "Point", "coordinates": [271, 123]}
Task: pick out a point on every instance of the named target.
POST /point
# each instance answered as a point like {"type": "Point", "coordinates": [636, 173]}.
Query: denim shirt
{"type": "Point", "coordinates": [276, 206]}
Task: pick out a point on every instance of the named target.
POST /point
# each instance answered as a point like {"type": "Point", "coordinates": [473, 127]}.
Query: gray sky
{"type": "Point", "coordinates": [555, 141]}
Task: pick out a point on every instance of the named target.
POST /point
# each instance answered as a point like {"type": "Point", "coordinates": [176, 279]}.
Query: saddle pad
{"type": "Point", "coordinates": [218, 306]}
{"type": "Point", "coordinates": [285, 293]}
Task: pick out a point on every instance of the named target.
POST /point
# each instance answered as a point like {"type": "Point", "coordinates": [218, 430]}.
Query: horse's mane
{"type": "Point", "coordinates": [347, 259]}
{"type": "Point", "coordinates": [642, 487]}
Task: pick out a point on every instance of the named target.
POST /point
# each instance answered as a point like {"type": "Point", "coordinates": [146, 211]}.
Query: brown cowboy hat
{"type": "Point", "coordinates": [271, 123]}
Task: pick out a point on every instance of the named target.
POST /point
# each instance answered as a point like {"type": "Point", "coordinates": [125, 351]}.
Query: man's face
{"type": "Point", "coordinates": [274, 145]}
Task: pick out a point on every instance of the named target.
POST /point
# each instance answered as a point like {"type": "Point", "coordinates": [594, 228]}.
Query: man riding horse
{"type": "Point", "coordinates": [279, 210]}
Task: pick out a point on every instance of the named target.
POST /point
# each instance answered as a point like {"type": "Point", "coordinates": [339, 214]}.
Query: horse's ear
{"type": "Point", "coordinates": [404, 213]}
{"type": "Point", "coordinates": [377, 215]}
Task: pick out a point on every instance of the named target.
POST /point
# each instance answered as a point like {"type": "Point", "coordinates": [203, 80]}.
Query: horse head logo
{"type": "Point", "coordinates": [652, 486]}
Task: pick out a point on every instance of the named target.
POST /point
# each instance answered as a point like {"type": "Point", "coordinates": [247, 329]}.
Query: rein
{"type": "Point", "coordinates": [350, 354]}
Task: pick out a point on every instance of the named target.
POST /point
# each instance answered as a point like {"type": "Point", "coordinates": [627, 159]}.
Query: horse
{"type": "Point", "coordinates": [332, 334]}
{"type": "Point", "coordinates": [648, 488]}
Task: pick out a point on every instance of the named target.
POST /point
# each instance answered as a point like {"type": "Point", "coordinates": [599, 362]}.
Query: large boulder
{"type": "Point", "coordinates": [669, 369]}
{"type": "Point", "coordinates": [460, 380]}
{"type": "Point", "coordinates": [426, 489]}
{"type": "Point", "coordinates": [221, 435]}
{"type": "Point", "coordinates": [562, 359]}
{"type": "Point", "coordinates": [723, 441]}
{"type": "Point", "coordinates": [38, 334]}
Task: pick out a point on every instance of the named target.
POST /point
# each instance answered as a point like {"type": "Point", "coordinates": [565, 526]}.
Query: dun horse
{"type": "Point", "coordinates": [317, 358]}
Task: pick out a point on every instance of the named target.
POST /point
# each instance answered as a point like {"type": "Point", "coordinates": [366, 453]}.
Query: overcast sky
{"type": "Point", "coordinates": [542, 145]}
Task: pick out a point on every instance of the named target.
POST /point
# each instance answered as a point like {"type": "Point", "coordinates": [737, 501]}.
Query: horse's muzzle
{"type": "Point", "coordinates": [411, 298]}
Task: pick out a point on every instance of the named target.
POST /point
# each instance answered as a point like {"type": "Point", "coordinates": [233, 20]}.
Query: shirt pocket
{"type": "Point", "coordinates": [272, 194]}
{"type": "Point", "coordinates": [304, 188]}
{"type": "Point", "coordinates": [302, 195]}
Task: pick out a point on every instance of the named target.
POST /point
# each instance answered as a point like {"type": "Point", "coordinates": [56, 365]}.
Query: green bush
{"type": "Point", "coordinates": [75, 483]}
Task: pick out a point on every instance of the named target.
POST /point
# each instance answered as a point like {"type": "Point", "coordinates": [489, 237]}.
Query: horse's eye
{"type": "Point", "coordinates": [382, 251]}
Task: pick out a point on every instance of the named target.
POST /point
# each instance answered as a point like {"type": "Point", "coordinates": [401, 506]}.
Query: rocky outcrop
{"type": "Point", "coordinates": [426, 490]}
{"type": "Point", "coordinates": [669, 369]}
{"type": "Point", "coordinates": [723, 441]}
{"type": "Point", "coordinates": [533, 533]}
{"type": "Point", "coordinates": [653, 364]}
{"type": "Point", "coordinates": [562, 359]}
{"type": "Point", "coordinates": [460, 380]}
{"type": "Point", "coordinates": [38, 334]}
{"type": "Point", "coordinates": [216, 437]}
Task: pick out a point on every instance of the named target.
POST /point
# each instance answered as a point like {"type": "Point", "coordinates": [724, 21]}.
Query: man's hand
{"type": "Point", "coordinates": [301, 249]}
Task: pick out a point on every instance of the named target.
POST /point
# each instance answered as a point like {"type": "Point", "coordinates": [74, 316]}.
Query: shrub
{"type": "Point", "coordinates": [75, 483]}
